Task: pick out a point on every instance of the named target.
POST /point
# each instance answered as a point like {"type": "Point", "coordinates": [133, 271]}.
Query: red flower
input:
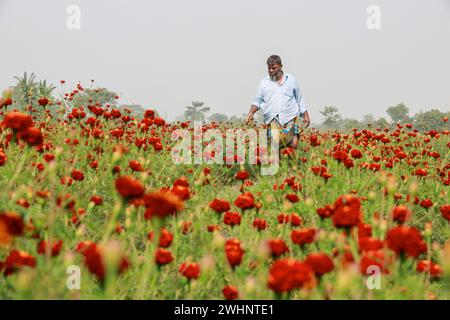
{"type": "Point", "coordinates": [129, 187]}
{"type": "Point", "coordinates": [325, 212]}
{"type": "Point", "coordinates": [347, 212]}
{"type": "Point", "coordinates": [286, 275]}
{"type": "Point", "coordinates": [364, 230]}
{"type": "Point", "coordinates": [433, 269]}
{"type": "Point", "coordinates": [32, 136]}
{"type": "Point", "coordinates": [94, 260]}
{"type": "Point", "coordinates": [368, 244]}
{"type": "Point", "coordinates": [43, 102]}
{"type": "Point", "coordinates": [234, 252]}
{"type": "Point", "coordinates": [406, 240]}
{"type": "Point", "coordinates": [219, 205]}
{"type": "Point", "coordinates": [17, 121]}
{"type": "Point", "coordinates": [190, 271]}
{"type": "Point", "coordinates": [181, 191]}
{"type": "Point", "coordinates": [230, 292]}
{"type": "Point", "coordinates": [260, 224]}
{"type": "Point", "coordinates": [242, 175]}
{"type": "Point", "coordinates": [232, 218]}
{"type": "Point", "coordinates": [426, 203]}
{"type": "Point", "coordinates": [445, 211]}
{"type": "Point", "coordinates": [401, 214]}
{"type": "Point", "coordinates": [277, 247]}
{"type": "Point", "coordinates": [162, 204]}
{"type": "Point", "coordinates": [135, 165]}
{"type": "Point", "coordinates": [11, 225]}
{"type": "Point", "coordinates": [165, 238]}
{"type": "Point", "coordinates": [292, 197]}
{"type": "Point", "coordinates": [97, 200]}
{"type": "Point", "coordinates": [372, 259]}
{"type": "Point", "coordinates": [17, 259]}
{"type": "Point", "coordinates": [163, 256]}
{"type": "Point", "coordinates": [77, 175]}
{"type": "Point", "coordinates": [245, 201]}
{"type": "Point", "coordinates": [54, 247]}
{"type": "Point", "coordinates": [320, 263]}
{"type": "Point", "coordinates": [356, 154]}
{"type": "Point", "coordinates": [303, 236]}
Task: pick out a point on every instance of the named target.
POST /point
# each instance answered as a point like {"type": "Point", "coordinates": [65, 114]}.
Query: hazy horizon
{"type": "Point", "coordinates": [164, 55]}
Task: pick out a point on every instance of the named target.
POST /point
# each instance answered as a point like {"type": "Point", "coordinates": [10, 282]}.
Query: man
{"type": "Point", "coordinates": [280, 99]}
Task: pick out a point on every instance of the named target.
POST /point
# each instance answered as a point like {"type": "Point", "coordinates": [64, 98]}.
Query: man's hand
{"type": "Point", "coordinates": [251, 112]}
{"type": "Point", "coordinates": [306, 120]}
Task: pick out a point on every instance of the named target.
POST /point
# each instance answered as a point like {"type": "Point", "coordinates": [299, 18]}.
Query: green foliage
{"type": "Point", "coordinates": [196, 112]}
{"type": "Point", "coordinates": [28, 91]}
{"type": "Point", "coordinates": [431, 120]}
{"type": "Point", "coordinates": [330, 116]}
{"type": "Point", "coordinates": [399, 113]}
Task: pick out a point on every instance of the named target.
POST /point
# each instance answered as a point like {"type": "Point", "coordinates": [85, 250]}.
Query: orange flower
{"type": "Point", "coordinates": [17, 259]}
{"type": "Point", "coordinates": [11, 225]}
{"type": "Point", "coordinates": [161, 204]}
{"type": "Point", "coordinates": [129, 187]}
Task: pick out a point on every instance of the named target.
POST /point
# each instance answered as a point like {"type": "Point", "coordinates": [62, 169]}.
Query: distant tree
{"type": "Point", "coordinates": [236, 120]}
{"type": "Point", "coordinates": [368, 119]}
{"type": "Point", "coordinates": [431, 120]}
{"type": "Point", "coordinates": [348, 124]}
{"type": "Point", "coordinates": [399, 113]}
{"type": "Point", "coordinates": [88, 97]}
{"type": "Point", "coordinates": [330, 116]}
{"type": "Point", "coordinates": [382, 123]}
{"type": "Point", "coordinates": [218, 117]}
{"type": "Point", "coordinates": [196, 112]}
{"type": "Point", "coordinates": [28, 91]}
{"type": "Point", "coordinates": [137, 111]}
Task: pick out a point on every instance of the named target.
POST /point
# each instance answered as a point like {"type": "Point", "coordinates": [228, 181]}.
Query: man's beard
{"type": "Point", "coordinates": [276, 76]}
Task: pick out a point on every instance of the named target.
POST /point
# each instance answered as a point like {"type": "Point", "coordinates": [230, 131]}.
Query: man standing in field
{"type": "Point", "coordinates": [281, 101]}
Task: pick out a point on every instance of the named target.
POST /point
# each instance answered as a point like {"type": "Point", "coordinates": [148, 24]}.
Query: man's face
{"type": "Point", "coordinates": [274, 70]}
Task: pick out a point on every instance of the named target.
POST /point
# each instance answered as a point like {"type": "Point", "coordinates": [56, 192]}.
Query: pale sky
{"type": "Point", "coordinates": [164, 54]}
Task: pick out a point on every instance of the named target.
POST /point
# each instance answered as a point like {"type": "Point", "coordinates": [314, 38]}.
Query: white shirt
{"type": "Point", "coordinates": [284, 100]}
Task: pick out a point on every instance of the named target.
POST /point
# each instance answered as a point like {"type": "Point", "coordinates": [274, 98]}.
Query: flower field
{"type": "Point", "coordinates": [92, 206]}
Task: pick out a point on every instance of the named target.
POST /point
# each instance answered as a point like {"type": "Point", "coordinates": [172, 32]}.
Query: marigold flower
{"type": "Point", "coordinates": [190, 271]}
{"type": "Point", "coordinates": [303, 236]}
{"type": "Point", "coordinates": [286, 275]}
{"type": "Point", "coordinates": [162, 204]}
{"type": "Point", "coordinates": [320, 263]}
{"type": "Point", "coordinates": [245, 201]}
{"type": "Point", "coordinates": [406, 240]}
{"type": "Point", "coordinates": [347, 212]}
{"type": "Point", "coordinates": [163, 256]}
{"type": "Point", "coordinates": [219, 205]}
{"type": "Point", "coordinates": [230, 292]}
{"type": "Point", "coordinates": [129, 187]}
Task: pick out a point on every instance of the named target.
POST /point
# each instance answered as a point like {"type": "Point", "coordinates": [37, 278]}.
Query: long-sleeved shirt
{"type": "Point", "coordinates": [284, 100]}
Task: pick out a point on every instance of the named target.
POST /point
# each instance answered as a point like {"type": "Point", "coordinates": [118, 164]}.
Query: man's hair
{"type": "Point", "coordinates": [274, 59]}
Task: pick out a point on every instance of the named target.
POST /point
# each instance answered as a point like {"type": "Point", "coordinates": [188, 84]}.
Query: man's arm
{"type": "Point", "coordinates": [252, 112]}
{"type": "Point", "coordinates": [257, 102]}
{"type": "Point", "coordinates": [301, 105]}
